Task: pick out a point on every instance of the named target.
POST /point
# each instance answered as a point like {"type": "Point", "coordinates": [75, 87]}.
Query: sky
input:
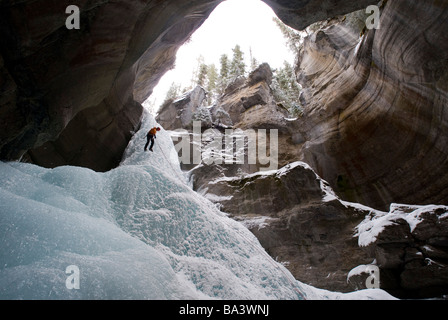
{"type": "Point", "coordinates": [247, 23]}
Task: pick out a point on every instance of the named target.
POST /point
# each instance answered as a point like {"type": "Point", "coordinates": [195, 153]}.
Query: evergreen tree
{"type": "Point", "coordinates": [253, 61]}
{"type": "Point", "coordinates": [212, 85]}
{"type": "Point", "coordinates": [293, 38]}
{"type": "Point", "coordinates": [237, 66]}
{"type": "Point", "coordinates": [286, 89]}
{"type": "Point", "coordinates": [173, 91]}
{"type": "Point", "coordinates": [196, 73]}
{"type": "Point", "coordinates": [202, 75]}
{"type": "Point", "coordinates": [223, 73]}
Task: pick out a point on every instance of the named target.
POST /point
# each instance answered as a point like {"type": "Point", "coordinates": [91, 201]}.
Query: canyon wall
{"type": "Point", "coordinates": [375, 117]}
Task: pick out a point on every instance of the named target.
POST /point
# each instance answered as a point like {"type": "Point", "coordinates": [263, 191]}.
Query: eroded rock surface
{"type": "Point", "coordinates": [374, 120]}
{"type": "Point", "coordinates": [180, 113]}
{"type": "Point", "coordinates": [297, 219]}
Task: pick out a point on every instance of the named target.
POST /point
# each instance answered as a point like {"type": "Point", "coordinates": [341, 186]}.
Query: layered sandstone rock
{"type": "Point", "coordinates": [250, 103]}
{"type": "Point", "coordinates": [374, 124]}
{"type": "Point", "coordinates": [247, 106]}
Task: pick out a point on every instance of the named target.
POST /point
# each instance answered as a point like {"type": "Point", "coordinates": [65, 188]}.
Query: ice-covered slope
{"type": "Point", "coordinates": [136, 232]}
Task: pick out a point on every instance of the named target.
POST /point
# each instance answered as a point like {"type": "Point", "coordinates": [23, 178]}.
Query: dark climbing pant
{"type": "Point", "coordinates": [149, 138]}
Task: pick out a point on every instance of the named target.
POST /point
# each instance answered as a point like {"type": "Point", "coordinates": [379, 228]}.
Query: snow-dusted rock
{"type": "Point", "coordinates": [410, 245]}
{"type": "Point", "coordinates": [182, 111]}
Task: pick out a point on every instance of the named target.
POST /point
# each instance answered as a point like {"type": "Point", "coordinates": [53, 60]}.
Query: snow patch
{"type": "Point", "coordinates": [375, 222]}
{"type": "Point", "coordinates": [257, 222]}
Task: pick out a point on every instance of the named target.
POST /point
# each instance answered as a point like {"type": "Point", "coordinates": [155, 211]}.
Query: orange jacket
{"type": "Point", "coordinates": [153, 131]}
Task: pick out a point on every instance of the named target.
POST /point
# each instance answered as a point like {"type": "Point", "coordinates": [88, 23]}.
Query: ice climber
{"type": "Point", "coordinates": [150, 137]}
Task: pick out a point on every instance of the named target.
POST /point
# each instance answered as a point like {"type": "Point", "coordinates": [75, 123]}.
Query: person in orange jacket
{"type": "Point", "coordinates": [150, 137]}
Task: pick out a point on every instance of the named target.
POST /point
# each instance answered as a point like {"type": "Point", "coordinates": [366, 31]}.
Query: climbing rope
{"type": "Point", "coordinates": [169, 162]}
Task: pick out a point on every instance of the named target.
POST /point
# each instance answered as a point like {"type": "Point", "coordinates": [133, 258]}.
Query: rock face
{"type": "Point", "coordinates": [323, 240]}
{"type": "Point", "coordinates": [250, 101]}
{"type": "Point", "coordinates": [374, 120]}
{"type": "Point", "coordinates": [180, 113]}
{"type": "Point", "coordinates": [246, 105]}
{"type": "Point", "coordinates": [296, 220]}
{"type": "Point", "coordinates": [410, 246]}
{"type": "Point", "coordinates": [301, 13]}
{"type": "Point", "coordinates": [53, 79]}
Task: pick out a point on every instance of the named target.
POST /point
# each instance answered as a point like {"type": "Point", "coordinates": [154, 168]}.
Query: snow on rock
{"type": "Point", "coordinates": [374, 223]}
{"type": "Point", "coordinates": [365, 294]}
{"type": "Point", "coordinates": [256, 222]}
